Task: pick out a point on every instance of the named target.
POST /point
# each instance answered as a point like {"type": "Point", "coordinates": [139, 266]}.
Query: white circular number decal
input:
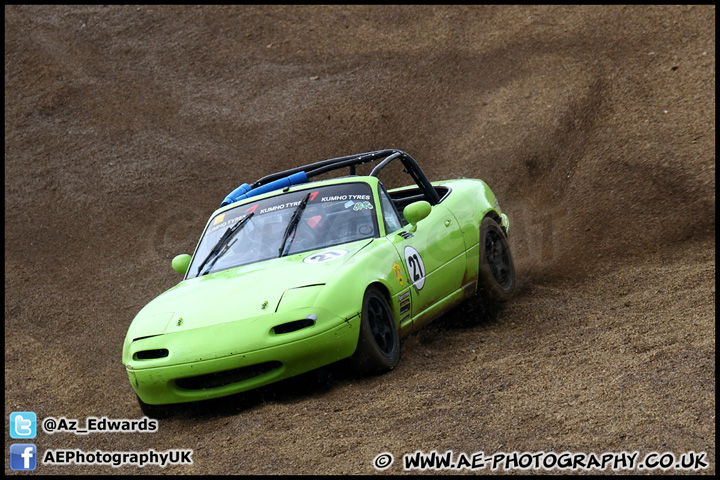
{"type": "Point", "coordinates": [325, 256]}
{"type": "Point", "coordinates": [415, 266]}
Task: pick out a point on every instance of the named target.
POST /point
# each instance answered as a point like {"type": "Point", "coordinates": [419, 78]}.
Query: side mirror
{"type": "Point", "coordinates": [415, 212]}
{"type": "Point", "coordinates": [181, 263]}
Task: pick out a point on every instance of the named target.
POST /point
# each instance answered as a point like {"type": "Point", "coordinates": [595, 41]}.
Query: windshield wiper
{"type": "Point", "coordinates": [292, 225]}
{"type": "Point", "coordinates": [223, 242]}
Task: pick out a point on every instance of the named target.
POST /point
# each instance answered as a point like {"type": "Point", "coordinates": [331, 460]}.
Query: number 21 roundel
{"type": "Point", "coordinates": [415, 266]}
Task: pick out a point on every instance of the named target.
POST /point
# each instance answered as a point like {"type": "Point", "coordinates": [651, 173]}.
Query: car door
{"type": "Point", "coordinates": [433, 255]}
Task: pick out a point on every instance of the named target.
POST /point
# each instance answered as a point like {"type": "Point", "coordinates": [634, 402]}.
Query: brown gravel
{"type": "Point", "coordinates": [126, 126]}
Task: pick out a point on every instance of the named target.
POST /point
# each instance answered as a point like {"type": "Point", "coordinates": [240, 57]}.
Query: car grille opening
{"type": "Point", "coordinates": [293, 326]}
{"type": "Point", "coordinates": [151, 354]}
{"type": "Point", "coordinates": [220, 379]}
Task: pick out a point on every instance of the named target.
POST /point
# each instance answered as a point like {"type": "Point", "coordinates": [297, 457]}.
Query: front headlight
{"type": "Point", "coordinates": [300, 297]}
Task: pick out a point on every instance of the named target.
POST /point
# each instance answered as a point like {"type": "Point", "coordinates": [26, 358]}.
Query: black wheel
{"type": "Point", "coordinates": [496, 277]}
{"type": "Point", "coordinates": [378, 348]}
{"type": "Point", "coordinates": [153, 411]}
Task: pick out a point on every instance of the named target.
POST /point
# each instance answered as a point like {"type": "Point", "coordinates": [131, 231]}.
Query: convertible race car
{"type": "Point", "coordinates": [292, 274]}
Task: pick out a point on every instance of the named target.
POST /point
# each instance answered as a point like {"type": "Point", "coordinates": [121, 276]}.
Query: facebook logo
{"type": "Point", "coordinates": [23, 456]}
{"type": "Point", "coordinates": [23, 424]}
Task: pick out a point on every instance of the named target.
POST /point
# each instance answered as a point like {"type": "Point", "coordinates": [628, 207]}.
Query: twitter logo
{"type": "Point", "coordinates": [23, 425]}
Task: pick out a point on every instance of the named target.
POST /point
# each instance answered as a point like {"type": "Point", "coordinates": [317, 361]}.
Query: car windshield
{"type": "Point", "coordinates": [332, 215]}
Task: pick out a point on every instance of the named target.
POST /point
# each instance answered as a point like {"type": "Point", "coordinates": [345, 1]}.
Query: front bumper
{"type": "Point", "coordinates": [217, 377]}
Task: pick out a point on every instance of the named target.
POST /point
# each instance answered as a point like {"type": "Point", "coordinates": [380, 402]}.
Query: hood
{"type": "Point", "coordinates": [245, 292]}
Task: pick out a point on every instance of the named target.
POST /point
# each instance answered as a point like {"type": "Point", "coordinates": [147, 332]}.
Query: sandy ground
{"type": "Point", "coordinates": [126, 126]}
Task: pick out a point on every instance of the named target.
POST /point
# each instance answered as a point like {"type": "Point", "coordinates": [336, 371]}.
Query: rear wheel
{"type": "Point", "coordinates": [496, 276]}
{"type": "Point", "coordinates": [378, 348]}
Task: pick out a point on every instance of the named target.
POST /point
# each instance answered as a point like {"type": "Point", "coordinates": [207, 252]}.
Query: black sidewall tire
{"type": "Point", "coordinates": [369, 358]}
{"type": "Point", "coordinates": [488, 285]}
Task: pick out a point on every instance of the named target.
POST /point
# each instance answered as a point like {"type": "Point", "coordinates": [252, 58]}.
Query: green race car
{"type": "Point", "coordinates": [292, 274]}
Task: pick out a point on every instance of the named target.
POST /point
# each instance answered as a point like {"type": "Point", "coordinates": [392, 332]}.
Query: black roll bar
{"type": "Point", "coordinates": [351, 161]}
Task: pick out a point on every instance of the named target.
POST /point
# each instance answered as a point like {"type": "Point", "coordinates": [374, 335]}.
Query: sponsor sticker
{"type": "Point", "coordinates": [398, 272]}
{"type": "Point", "coordinates": [404, 301]}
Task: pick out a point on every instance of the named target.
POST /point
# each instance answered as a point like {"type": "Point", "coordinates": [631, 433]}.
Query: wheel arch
{"type": "Point", "coordinates": [495, 216]}
{"type": "Point", "coordinates": [385, 291]}
{"type": "Point", "coordinates": [372, 266]}
{"type": "Point", "coordinates": [378, 347]}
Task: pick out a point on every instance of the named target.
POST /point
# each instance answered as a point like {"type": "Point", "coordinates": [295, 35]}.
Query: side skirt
{"type": "Point", "coordinates": [440, 307]}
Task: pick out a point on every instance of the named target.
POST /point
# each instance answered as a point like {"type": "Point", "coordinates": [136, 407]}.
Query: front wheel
{"type": "Point", "coordinates": [378, 348]}
{"type": "Point", "coordinates": [496, 276]}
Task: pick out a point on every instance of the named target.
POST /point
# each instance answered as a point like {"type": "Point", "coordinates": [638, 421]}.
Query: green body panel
{"type": "Point", "coordinates": [155, 385]}
{"type": "Point", "coordinates": [226, 320]}
{"type": "Point", "coordinates": [470, 200]}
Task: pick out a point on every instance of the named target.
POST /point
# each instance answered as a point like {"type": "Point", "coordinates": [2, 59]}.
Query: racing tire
{"type": "Point", "coordinates": [496, 275]}
{"type": "Point", "coordinates": [378, 348]}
